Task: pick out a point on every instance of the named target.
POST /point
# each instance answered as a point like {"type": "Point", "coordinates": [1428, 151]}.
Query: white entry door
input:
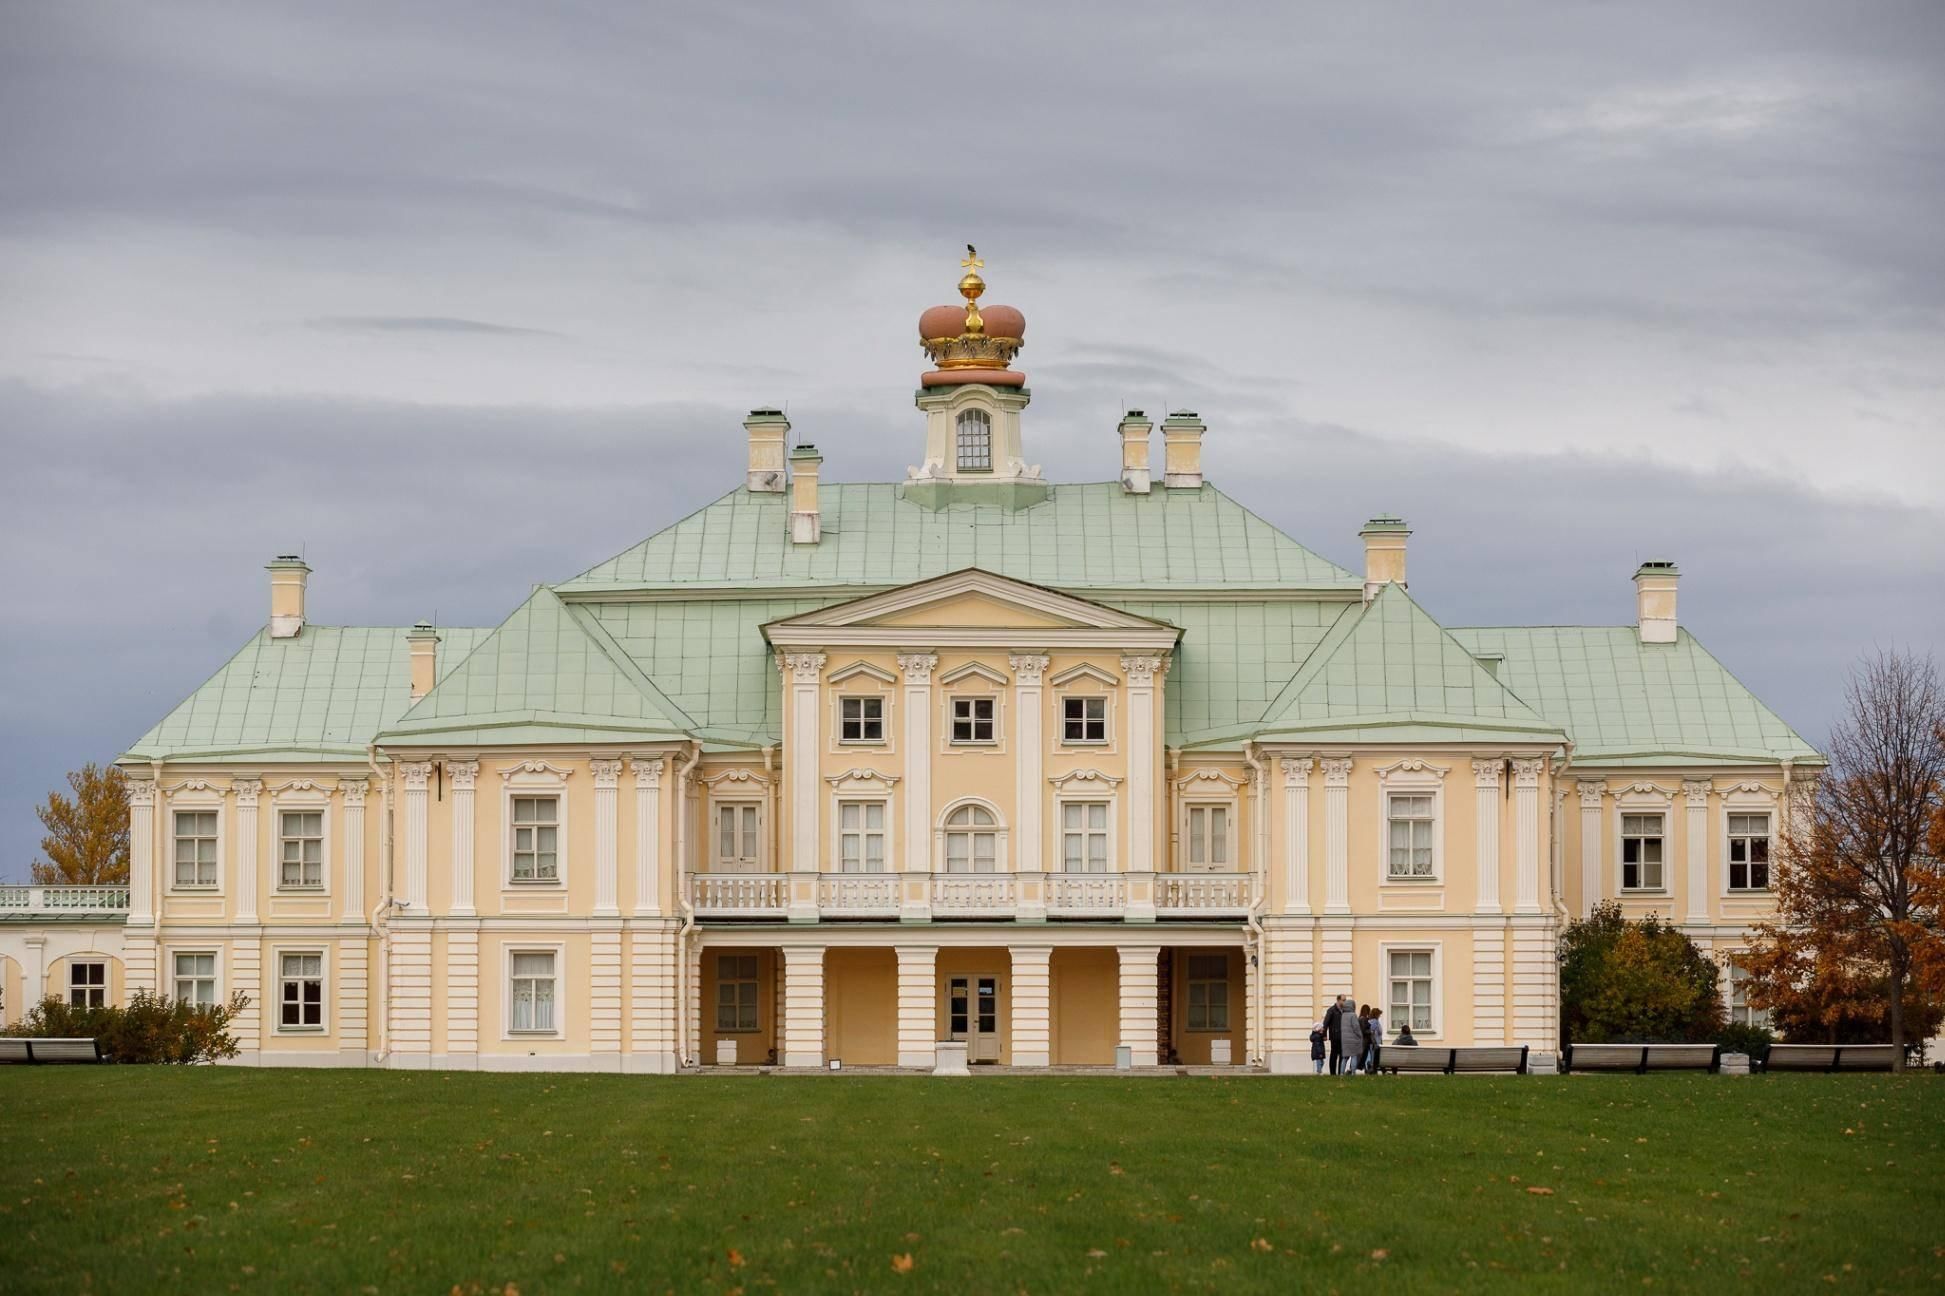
{"type": "Point", "coordinates": [973, 1015]}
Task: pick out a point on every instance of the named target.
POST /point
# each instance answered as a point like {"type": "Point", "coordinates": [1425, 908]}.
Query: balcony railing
{"type": "Point", "coordinates": [739, 895]}
{"type": "Point", "coordinates": [1086, 895]}
{"type": "Point", "coordinates": [857, 895]}
{"type": "Point", "coordinates": [959, 896]}
{"type": "Point", "coordinates": [973, 895]}
{"type": "Point", "coordinates": [1202, 895]}
{"type": "Point", "coordinates": [63, 900]}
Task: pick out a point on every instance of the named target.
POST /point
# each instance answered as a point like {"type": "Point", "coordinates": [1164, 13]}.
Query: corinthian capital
{"type": "Point", "coordinates": [804, 668]}
{"type": "Point", "coordinates": [1142, 668]}
{"type": "Point", "coordinates": [465, 775]}
{"type": "Point", "coordinates": [416, 774]}
{"type": "Point", "coordinates": [1337, 771]}
{"type": "Point", "coordinates": [918, 667]}
{"type": "Point", "coordinates": [607, 772]}
{"type": "Point", "coordinates": [1526, 771]}
{"type": "Point", "coordinates": [1028, 667]}
{"type": "Point", "coordinates": [1486, 773]}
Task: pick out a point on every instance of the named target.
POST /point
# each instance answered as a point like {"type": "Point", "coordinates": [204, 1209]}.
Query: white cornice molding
{"type": "Point", "coordinates": [878, 673]}
{"type": "Point", "coordinates": [1086, 670]}
{"type": "Point", "coordinates": [960, 672]}
{"type": "Point", "coordinates": [1084, 779]}
{"type": "Point", "coordinates": [1208, 775]}
{"type": "Point", "coordinates": [535, 767]}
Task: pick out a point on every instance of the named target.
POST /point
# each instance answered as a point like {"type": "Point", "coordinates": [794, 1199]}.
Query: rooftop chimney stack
{"type": "Point", "coordinates": [422, 647]}
{"type": "Point", "coordinates": [1654, 600]}
{"type": "Point", "coordinates": [768, 430]}
{"type": "Point", "coordinates": [1135, 430]}
{"type": "Point", "coordinates": [1384, 554]}
{"type": "Point", "coordinates": [288, 578]}
{"type": "Point", "coordinates": [1182, 450]}
{"type": "Point", "coordinates": [804, 524]}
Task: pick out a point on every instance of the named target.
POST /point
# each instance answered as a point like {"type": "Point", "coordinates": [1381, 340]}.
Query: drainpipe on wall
{"type": "Point", "coordinates": [1253, 917]}
{"type": "Point", "coordinates": [683, 906]}
{"type": "Point", "coordinates": [384, 933]}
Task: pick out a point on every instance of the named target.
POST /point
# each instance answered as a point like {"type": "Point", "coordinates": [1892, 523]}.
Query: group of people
{"type": "Point", "coordinates": [1349, 1036]}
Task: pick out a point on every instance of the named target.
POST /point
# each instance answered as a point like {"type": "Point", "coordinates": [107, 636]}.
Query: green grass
{"type": "Point", "coordinates": [214, 1180]}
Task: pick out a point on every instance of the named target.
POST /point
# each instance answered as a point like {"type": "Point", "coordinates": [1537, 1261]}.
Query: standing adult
{"type": "Point", "coordinates": [1374, 1036]}
{"type": "Point", "coordinates": [1331, 1016]}
{"type": "Point", "coordinates": [1350, 1036]}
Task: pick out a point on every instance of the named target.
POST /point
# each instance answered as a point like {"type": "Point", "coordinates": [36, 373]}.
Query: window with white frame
{"type": "Point", "coordinates": [1410, 823]}
{"type": "Point", "coordinates": [1084, 836]}
{"type": "Point", "coordinates": [531, 978]}
{"type": "Point", "coordinates": [195, 832]}
{"type": "Point", "coordinates": [1641, 852]}
{"type": "Point", "coordinates": [973, 720]}
{"type": "Point", "coordinates": [861, 836]}
{"type": "Point", "coordinates": [88, 983]}
{"type": "Point", "coordinates": [739, 847]}
{"type": "Point", "coordinates": [971, 840]}
{"type": "Point", "coordinates": [975, 441]}
{"type": "Point", "coordinates": [861, 719]}
{"type": "Point", "coordinates": [536, 838]}
{"type": "Point", "coordinates": [300, 991]}
{"type": "Point", "coordinates": [195, 978]}
{"type": "Point", "coordinates": [301, 844]}
{"type": "Point", "coordinates": [1208, 990]}
{"type": "Point", "coordinates": [736, 993]}
{"type": "Point", "coordinates": [1740, 1013]}
{"type": "Point", "coordinates": [1748, 852]}
{"type": "Point", "coordinates": [1084, 720]}
{"type": "Point", "coordinates": [1208, 837]}
{"type": "Point", "coordinates": [1410, 980]}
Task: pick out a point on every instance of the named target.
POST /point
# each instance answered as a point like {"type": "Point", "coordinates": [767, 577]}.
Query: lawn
{"type": "Point", "coordinates": [212, 1180]}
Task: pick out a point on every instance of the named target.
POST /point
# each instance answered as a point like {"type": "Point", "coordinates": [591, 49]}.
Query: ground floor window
{"type": "Point", "coordinates": [88, 984]}
{"type": "Point", "coordinates": [735, 993]}
{"type": "Point", "coordinates": [195, 977]}
{"type": "Point", "coordinates": [1411, 989]}
{"type": "Point", "coordinates": [1208, 987]}
{"type": "Point", "coordinates": [301, 992]}
{"type": "Point", "coordinates": [531, 992]}
{"type": "Point", "coordinates": [1740, 1013]}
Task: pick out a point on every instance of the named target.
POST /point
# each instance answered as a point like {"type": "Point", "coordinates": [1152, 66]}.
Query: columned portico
{"type": "Point", "coordinates": [1032, 1005]}
{"type": "Point", "coordinates": [918, 1011]}
{"type": "Point", "coordinates": [1140, 1002]}
{"type": "Point", "coordinates": [803, 1006]}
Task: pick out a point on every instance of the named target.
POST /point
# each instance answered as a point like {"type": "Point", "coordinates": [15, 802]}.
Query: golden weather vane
{"type": "Point", "coordinates": [971, 260]}
{"type": "Point", "coordinates": [970, 286]}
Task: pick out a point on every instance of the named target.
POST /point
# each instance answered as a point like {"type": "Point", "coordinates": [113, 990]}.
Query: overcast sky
{"type": "Point", "coordinates": [461, 297]}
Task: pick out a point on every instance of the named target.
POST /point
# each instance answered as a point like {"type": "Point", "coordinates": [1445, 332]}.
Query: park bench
{"type": "Point", "coordinates": [1642, 1058]}
{"type": "Point", "coordinates": [1830, 1057]}
{"type": "Point", "coordinates": [50, 1050]}
{"type": "Point", "coordinates": [1406, 1059]}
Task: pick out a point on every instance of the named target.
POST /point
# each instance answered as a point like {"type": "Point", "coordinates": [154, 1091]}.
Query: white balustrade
{"type": "Point", "coordinates": [1203, 895]}
{"type": "Point", "coordinates": [738, 895]}
{"type": "Point", "coordinates": [1086, 895]}
{"type": "Point", "coordinates": [857, 895]}
{"type": "Point", "coordinates": [64, 899]}
{"type": "Point", "coordinates": [973, 895]}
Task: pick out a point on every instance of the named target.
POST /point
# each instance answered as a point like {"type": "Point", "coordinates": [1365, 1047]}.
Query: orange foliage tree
{"type": "Point", "coordinates": [87, 833]}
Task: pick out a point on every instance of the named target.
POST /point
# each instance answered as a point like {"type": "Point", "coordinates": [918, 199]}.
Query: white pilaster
{"type": "Point", "coordinates": [607, 850]}
{"type": "Point", "coordinates": [1696, 852]}
{"type": "Point", "coordinates": [1337, 834]}
{"type": "Point", "coordinates": [462, 996]}
{"type": "Point", "coordinates": [465, 782]}
{"type": "Point", "coordinates": [653, 1010]}
{"type": "Point", "coordinates": [803, 1006]}
{"type": "Point", "coordinates": [1140, 1005]}
{"type": "Point", "coordinates": [1290, 996]}
{"type": "Point", "coordinates": [604, 995]}
{"type": "Point", "coordinates": [1143, 674]}
{"type": "Point", "coordinates": [648, 835]}
{"type": "Point", "coordinates": [1526, 828]}
{"type": "Point", "coordinates": [141, 852]}
{"type": "Point", "coordinates": [1489, 985]}
{"type": "Point", "coordinates": [803, 670]}
{"type": "Point", "coordinates": [1485, 780]}
{"type": "Point", "coordinates": [353, 889]}
{"type": "Point", "coordinates": [1029, 763]}
{"type": "Point", "coordinates": [249, 847]}
{"type": "Point", "coordinates": [1591, 792]}
{"type": "Point", "coordinates": [1032, 1025]}
{"type": "Point", "coordinates": [1296, 834]}
{"type": "Point", "coordinates": [918, 668]}
{"type": "Point", "coordinates": [918, 1004]}
{"type": "Point", "coordinates": [415, 775]}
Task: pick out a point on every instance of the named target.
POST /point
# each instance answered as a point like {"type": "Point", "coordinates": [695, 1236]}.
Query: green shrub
{"type": "Point", "coordinates": [1629, 982]}
{"type": "Point", "coordinates": [1753, 1040]}
{"type": "Point", "coordinates": [150, 1028]}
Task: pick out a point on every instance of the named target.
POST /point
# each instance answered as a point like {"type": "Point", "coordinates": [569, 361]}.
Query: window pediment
{"type": "Point", "coordinates": [971, 607]}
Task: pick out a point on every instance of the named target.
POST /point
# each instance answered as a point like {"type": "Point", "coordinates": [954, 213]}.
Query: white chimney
{"type": "Point", "coordinates": [1135, 430]}
{"type": "Point", "coordinates": [768, 430]}
{"type": "Point", "coordinates": [1384, 553]}
{"type": "Point", "coordinates": [422, 647]}
{"type": "Point", "coordinates": [805, 526]}
{"type": "Point", "coordinates": [1654, 600]}
{"type": "Point", "coordinates": [1182, 450]}
{"type": "Point", "coordinates": [288, 580]}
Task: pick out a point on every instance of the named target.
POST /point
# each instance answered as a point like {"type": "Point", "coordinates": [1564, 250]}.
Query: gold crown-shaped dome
{"type": "Point", "coordinates": [960, 338]}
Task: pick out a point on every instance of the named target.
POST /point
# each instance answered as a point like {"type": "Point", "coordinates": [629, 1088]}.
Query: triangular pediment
{"type": "Point", "coordinates": [970, 603]}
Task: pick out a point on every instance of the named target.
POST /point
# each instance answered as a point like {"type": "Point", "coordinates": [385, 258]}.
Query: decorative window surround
{"type": "Point", "coordinates": [1296, 833]}
{"type": "Point", "coordinates": [736, 837]}
{"type": "Point", "coordinates": [864, 787]}
{"type": "Point", "coordinates": [535, 778]}
{"type": "Point", "coordinates": [1386, 949]}
{"type": "Point", "coordinates": [1411, 777]}
{"type": "Point", "coordinates": [301, 796]}
{"type": "Point", "coordinates": [995, 827]}
{"type": "Point", "coordinates": [1079, 788]}
{"type": "Point", "coordinates": [950, 743]}
{"type": "Point", "coordinates": [509, 964]}
{"type": "Point", "coordinates": [1085, 670]}
{"type": "Point", "coordinates": [862, 719]}
{"type": "Point", "coordinates": [195, 799]}
{"type": "Point", "coordinates": [1748, 799]}
{"type": "Point", "coordinates": [1642, 799]}
{"type": "Point", "coordinates": [1197, 793]}
{"type": "Point", "coordinates": [303, 982]}
{"type": "Point", "coordinates": [866, 683]}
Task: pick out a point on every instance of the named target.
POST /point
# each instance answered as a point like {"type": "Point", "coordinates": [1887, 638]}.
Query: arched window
{"type": "Point", "coordinates": [971, 840]}
{"type": "Point", "coordinates": [975, 441]}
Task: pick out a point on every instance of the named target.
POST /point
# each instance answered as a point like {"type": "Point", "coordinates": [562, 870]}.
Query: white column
{"type": "Point", "coordinates": [1485, 780]}
{"type": "Point", "coordinates": [1143, 672]}
{"type": "Point", "coordinates": [918, 668]}
{"type": "Point", "coordinates": [1140, 1005]}
{"type": "Point", "coordinates": [801, 770]}
{"type": "Point", "coordinates": [465, 779]}
{"type": "Point", "coordinates": [918, 1004]}
{"type": "Point", "coordinates": [353, 890]}
{"type": "Point", "coordinates": [34, 975]}
{"type": "Point", "coordinates": [1696, 792]}
{"type": "Point", "coordinates": [249, 847]}
{"type": "Point", "coordinates": [141, 853]}
{"type": "Point", "coordinates": [648, 835]}
{"type": "Point", "coordinates": [1032, 1025]}
{"type": "Point", "coordinates": [1526, 828]}
{"type": "Point", "coordinates": [1029, 762]}
{"type": "Point", "coordinates": [1337, 834]}
{"type": "Point", "coordinates": [415, 775]}
{"type": "Point", "coordinates": [607, 849]}
{"type": "Point", "coordinates": [1591, 792]}
{"type": "Point", "coordinates": [1296, 834]}
{"type": "Point", "coordinates": [803, 1006]}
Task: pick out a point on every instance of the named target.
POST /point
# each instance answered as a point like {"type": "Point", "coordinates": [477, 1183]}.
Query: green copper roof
{"type": "Point", "coordinates": [1387, 664]}
{"type": "Point", "coordinates": [1087, 536]}
{"type": "Point", "coordinates": [1626, 702]}
{"type": "Point", "coordinates": [323, 693]}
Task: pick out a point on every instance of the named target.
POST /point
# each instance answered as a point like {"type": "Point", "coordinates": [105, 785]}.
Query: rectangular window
{"type": "Point", "coordinates": [196, 979]}
{"type": "Point", "coordinates": [1208, 846]}
{"type": "Point", "coordinates": [972, 720]}
{"type": "Point", "coordinates": [1084, 719]}
{"type": "Point", "coordinates": [87, 984]}
{"type": "Point", "coordinates": [861, 836]}
{"type": "Point", "coordinates": [735, 993]}
{"type": "Point", "coordinates": [1084, 836]}
{"type": "Point", "coordinates": [301, 833]}
{"type": "Point", "coordinates": [195, 848]}
{"type": "Point", "coordinates": [738, 848]}
{"type": "Point", "coordinates": [975, 441]}
{"type": "Point", "coordinates": [1749, 852]}
{"type": "Point", "coordinates": [301, 994]}
{"type": "Point", "coordinates": [536, 839]}
{"type": "Point", "coordinates": [1740, 1013]}
{"type": "Point", "coordinates": [1410, 820]}
{"type": "Point", "coordinates": [1208, 986]}
{"type": "Point", "coordinates": [1641, 852]}
{"type": "Point", "coordinates": [531, 992]}
{"type": "Point", "coordinates": [861, 719]}
{"type": "Point", "coordinates": [1411, 989]}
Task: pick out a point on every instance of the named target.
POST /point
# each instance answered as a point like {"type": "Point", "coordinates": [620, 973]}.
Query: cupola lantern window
{"type": "Point", "coordinates": [975, 441]}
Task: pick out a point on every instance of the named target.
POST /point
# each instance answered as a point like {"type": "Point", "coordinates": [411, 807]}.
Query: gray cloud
{"type": "Point", "coordinates": [419, 324]}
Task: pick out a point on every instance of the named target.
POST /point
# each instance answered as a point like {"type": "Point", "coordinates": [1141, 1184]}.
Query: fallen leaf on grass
{"type": "Point", "coordinates": [1381, 1254]}
{"type": "Point", "coordinates": [735, 1258]}
{"type": "Point", "coordinates": [902, 1263]}
{"type": "Point", "coordinates": [1095, 1253]}
{"type": "Point", "coordinates": [1540, 1192]}
{"type": "Point", "coordinates": [1260, 1244]}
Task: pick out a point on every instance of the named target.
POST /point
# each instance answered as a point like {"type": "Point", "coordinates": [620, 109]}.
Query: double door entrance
{"type": "Point", "coordinates": [973, 1015]}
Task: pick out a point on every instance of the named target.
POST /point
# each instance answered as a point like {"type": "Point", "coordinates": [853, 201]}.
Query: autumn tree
{"type": "Point", "coordinates": [1859, 932]}
{"type": "Point", "coordinates": [87, 833]}
{"type": "Point", "coordinates": [1622, 980]}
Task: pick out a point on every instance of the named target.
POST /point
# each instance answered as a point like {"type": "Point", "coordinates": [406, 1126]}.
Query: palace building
{"type": "Point", "coordinates": [834, 772]}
